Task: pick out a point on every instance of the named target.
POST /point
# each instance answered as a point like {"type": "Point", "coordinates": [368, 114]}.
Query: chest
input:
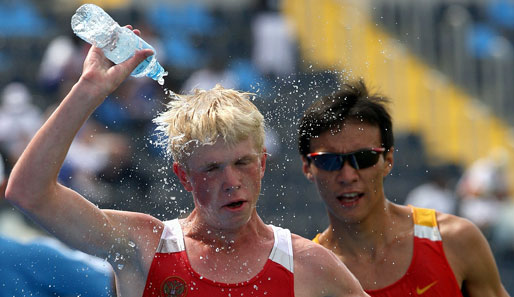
{"type": "Point", "coordinates": [172, 274]}
{"type": "Point", "coordinates": [378, 269]}
{"type": "Point", "coordinates": [228, 266]}
{"type": "Point", "coordinates": [422, 270]}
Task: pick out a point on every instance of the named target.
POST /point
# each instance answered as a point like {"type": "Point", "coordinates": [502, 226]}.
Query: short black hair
{"type": "Point", "coordinates": [352, 101]}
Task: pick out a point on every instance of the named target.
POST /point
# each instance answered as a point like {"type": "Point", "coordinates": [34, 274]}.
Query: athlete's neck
{"type": "Point", "coordinates": [225, 239]}
{"type": "Point", "coordinates": [364, 237]}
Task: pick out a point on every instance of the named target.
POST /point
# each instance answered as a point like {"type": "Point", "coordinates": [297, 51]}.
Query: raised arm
{"type": "Point", "coordinates": [471, 258]}
{"type": "Point", "coordinates": [33, 185]}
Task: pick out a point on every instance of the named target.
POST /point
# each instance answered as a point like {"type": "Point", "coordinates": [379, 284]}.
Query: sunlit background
{"type": "Point", "coordinates": [447, 66]}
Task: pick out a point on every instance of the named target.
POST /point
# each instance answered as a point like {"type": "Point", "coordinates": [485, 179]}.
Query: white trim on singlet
{"type": "Point", "coordinates": [427, 232]}
{"type": "Point", "coordinates": [172, 241]}
{"type": "Point", "coordinates": [282, 252]}
{"type": "Point", "coordinates": [172, 238]}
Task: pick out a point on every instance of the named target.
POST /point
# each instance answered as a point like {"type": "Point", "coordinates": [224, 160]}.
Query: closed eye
{"type": "Point", "coordinates": [211, 167]}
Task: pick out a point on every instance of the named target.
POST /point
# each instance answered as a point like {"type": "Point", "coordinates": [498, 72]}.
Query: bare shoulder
{"type": "Point", "coordinates": [464, 245]}
{"type": "Point", "coordinates": [332, 277]}
{"type": "Point", "coordinates": [311, 254]}
{"type": "Point", "coordinates": [458, 232]}
{"type": "Point", "coordinates": [141, 232]}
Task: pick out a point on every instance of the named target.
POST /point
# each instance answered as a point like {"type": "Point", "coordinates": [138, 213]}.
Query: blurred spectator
{"type": "Point", "coordinates": [132, 106]}
{"type": "Point", "coordinates": [216, 72]}
{"type": "Point", "coordinates": [503, 231]}
{"type": "Point", "coordinates": [273, 44]}
{"type": "Point", "coordinates": [19, 120]}
{"type": "Point", "coordinates": [483, 189]}
{"type": "Point", "coordinates": [58, 62]}
{"type": "Point", "coordinates": [502, 243]}
{"type": "Point", "coordinates": [44, 268]}
{"type": "Point", "coordinates": [34, 264]}
{"type": "Point", "coordinates": [436, 193]}
{"type": "Point", "coordinates": [95, 154]}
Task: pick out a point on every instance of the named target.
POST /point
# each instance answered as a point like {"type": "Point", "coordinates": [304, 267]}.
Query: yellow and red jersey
{"type": "Point", "coordinates": [429, 274]}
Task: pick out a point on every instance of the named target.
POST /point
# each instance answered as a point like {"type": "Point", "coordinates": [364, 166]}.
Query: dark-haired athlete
{"type": "Point", "coordinates": [346, 143]}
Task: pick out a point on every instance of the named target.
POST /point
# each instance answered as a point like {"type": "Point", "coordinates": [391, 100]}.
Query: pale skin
{"type": "Point", "coordinates": [242, 240]}
{"type": "Point", "coordinates": [374, 237]}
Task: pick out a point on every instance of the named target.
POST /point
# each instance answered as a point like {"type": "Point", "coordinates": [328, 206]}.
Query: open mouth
{"type": "Point", "coordinates": [349, 199]}
{"type": "Point", "coordinates": [235, 205]}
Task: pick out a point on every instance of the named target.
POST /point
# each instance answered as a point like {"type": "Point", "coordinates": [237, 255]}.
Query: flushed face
{"type": "Point", "coordinates": [225, 182]}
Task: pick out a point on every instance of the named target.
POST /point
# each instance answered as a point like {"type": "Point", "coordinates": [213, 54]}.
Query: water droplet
{"type": "Point", "coordinates": [131, 244]}
{"type": "Point", "coordinates": [120, 266]}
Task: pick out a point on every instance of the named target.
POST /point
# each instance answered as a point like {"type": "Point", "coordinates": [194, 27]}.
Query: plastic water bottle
{"type": "Point", "coordinates": [94, 25]}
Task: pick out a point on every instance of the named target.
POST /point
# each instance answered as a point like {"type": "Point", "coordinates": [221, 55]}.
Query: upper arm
{"type": "Point", "coordinates": [332, 277]}
{"type": "Point", "coordinates": [470, 257]}
{"type": "Point", "coordinates": [80, 224]}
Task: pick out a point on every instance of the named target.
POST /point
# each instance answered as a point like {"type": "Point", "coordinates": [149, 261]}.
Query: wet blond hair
{"type": "Point", "coordinates": [203, 117]}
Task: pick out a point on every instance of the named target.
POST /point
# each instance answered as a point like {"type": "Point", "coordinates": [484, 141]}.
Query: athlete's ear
{"type": "Point", "coordinates": [306, 168]}
{"type": "Point", "coordinates": [389, 161]}
{"type": "Point", "coordinates": [181, 173]}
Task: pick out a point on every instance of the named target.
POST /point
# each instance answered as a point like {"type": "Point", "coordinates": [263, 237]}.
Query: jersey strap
{"type": "Point", "coordinates": [282, 252]}
{"type": "Point", "coordinates": [425, 223]}
{"type": "Point", "coordinates": [172, 239]}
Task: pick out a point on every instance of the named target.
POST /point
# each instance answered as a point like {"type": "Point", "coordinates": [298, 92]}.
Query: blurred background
{"type": "Point", "coordinates": [446, 65]}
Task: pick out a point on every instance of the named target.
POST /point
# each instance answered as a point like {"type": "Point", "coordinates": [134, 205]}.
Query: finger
{"type": "Point", "coordinates": [136, 31]}
{"type": "Point", "coordinates": [138, 57]}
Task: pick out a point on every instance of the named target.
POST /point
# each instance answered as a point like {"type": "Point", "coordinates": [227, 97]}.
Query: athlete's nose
{"type": "Point", "coordinates": [347, 174]}
{"type": "Point", "coordinates": [231, 180]}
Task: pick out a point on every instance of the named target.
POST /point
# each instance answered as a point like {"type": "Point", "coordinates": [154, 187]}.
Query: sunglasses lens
{"type": "Point", "coordinates": [328, 162]}
{"type": "Point", "coordinates": [358, 160]}
{"type": "Point", "coordinates": [366, 158]}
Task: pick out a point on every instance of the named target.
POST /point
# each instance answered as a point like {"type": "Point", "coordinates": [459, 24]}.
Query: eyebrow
{"type": "Point", "coordinates": [247, 157]}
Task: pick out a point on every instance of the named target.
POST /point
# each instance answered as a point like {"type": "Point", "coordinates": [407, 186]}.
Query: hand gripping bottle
{"type": "Point", "coordinates": [94, 25]}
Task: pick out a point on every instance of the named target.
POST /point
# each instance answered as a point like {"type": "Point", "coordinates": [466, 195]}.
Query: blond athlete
{"type": "Point", "coordinates": [222, 248]}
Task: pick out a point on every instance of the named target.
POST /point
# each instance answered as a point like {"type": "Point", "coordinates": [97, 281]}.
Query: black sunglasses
{"type": "Point", "coordinates": [359, 160]}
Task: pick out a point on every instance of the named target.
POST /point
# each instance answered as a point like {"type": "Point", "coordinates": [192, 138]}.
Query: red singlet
{"type": "Point", "coordinates": [429, 274]}
{"type": "Point", "coordinates": [171, 273]}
